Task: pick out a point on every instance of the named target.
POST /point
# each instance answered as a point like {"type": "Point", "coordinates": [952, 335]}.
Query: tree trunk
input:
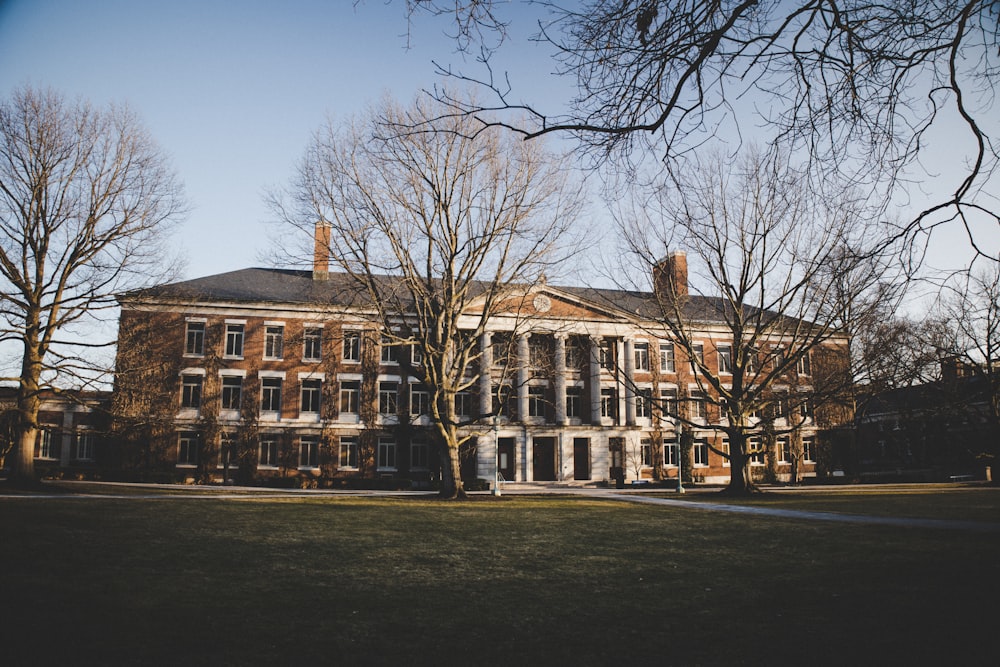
{"type": "Point", "coordinates": [27, 407]}
{"type": "Point", "coordinates": [451, 473]}
{"type": "Point", "coordinates": [740, 480]}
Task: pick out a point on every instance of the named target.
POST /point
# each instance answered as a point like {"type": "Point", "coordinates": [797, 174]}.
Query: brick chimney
{"type": "Point", "coordinates": [321, 251]}
{"type": "Point", "coordinates": [670, 276]}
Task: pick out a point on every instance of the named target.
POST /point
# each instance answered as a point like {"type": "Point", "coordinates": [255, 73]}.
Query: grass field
{"type": "Point", "coordinates": [516, 580]}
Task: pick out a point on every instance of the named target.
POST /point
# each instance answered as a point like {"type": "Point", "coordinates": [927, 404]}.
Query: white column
{"type": "Point", "coordinates": [595, 381]}
{"type": "Point", "coordinates": [485, 379]}
{"type": "Point", "coordinates": [629, 382]}
{"type": "Point", "coordinates": [523, 374]}
{"type": "Point", "coordinates": [559, 381]}
{"type": "Point", "coordinates": [620, 368]}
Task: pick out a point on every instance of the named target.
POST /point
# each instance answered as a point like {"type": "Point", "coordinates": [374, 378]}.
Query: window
{"type": "Point", "coordinates": [419, 453]}
{"type": "Point", "coordinates": [755, 451]}
{"type": "Point", "coordinates": [267, 456]}
{"type": "Point", "coordinates": [352, 346]}
{"type": "Point", "coordinates": [667, 358]}
{"type": "Point", "coordinates": [575, 353]}
{"type": "Point", "coordinates": [349, 395]}
{"type": "Point", "coordinates": [191, 391]}
{"type": "Point", "coordinates": [646, 452]}
{"type": "Point", "coordinates": [501, 349]}
{"type": "Point", "coordinates": [700, 452]}
{"type": "Point", "coordinates": [386, 454]}
{"type": "Point", "coordinates": [697, 404]}
{"type": "Point", "coordinates": [348, 453]}
{"type": "Point", "coordinates": [538, 352]}
{"type": "Point", "coordinates": [574, 403]}
{"type": "Point", "coordinates": [234, 340]}
{"type": "Point", "coordinates": [416, 355]}
{"type": "Point", "coordinates": [311, 396]}
{"type": "Point", "coordinates": [45, 444]}
{"type": "Point", "coordinates": [668, 398]}
{"type": "Point", "coordinates": [697, 353]}
{"type": "Point", "coordinates": [194, 340]}
{"type": "Point", "coordinates": [725, 354]}
{"type": "Point", "coordinates": [643, 403]}
{"type": "Point", "coordinates": [641, 354]}
{"type": "Point", "coordinates": [804, 367]}
{"type": "Point", "coordinates": [670, 452]}
{"type": "Point", "coordinates": [725, 451]}
{"type": "Point", "coordinates": [783, 450]}
{"type": "Point", "coordinates": [505, 401]}
{"type": "Point", "coordinates": [390, 352]}
{"type": "Point", "coordinates": [607, 354]}
{"type": "Point", "coordinates": [536, 401]}
{"type": "Point", "coordinates": [387, 394]}
{"type": "Point", "coordinates": [274, 341]}
{"type": "Point", "coordinates": [312, 344]}
{"type": "Point", "coordinates": [232, 392]}
{"type": "Point", "coordinates": [805, 408]}
{"type": "Point", "coordinates": [463, 404]}
{"type": "Point", "coordinates": [85, 446]}
{"type": "Point", "coordinates": [609, 403]}
{"type": "Point", "coordinates": [187, 454]}
{"type": "Point", "coordinates": [308, 452]}
{"type": "Point", "coordinates": [270, 394]}
{"type": "Point", "coordinates": [807, 450]}
{"type": "Point", "coordinates": [420, 400]}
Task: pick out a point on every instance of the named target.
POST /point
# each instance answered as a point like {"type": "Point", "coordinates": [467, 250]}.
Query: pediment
{"type": "Point", "coordinates": [544, 302]}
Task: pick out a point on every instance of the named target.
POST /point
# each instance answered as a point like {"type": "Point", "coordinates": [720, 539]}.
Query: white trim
{"type": "Point", "coordinates": [192, 371]}
{"type": "Point", "coordinates": [305, 375]}
{"type": "Point", "coordinates": [232, 372]}
{"type": "Point", "coordinates": [271, 374]}
{"type": "Point", "coordinates": [229, 321]}
{"type": "Point", "coordinates": [274, 323]}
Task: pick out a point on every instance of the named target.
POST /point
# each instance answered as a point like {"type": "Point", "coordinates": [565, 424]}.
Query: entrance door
{"type": "Point", "coordinates": [505, 458]}
{"type": "Point", "coordinates": [581, 458]}
{"type": "Point", "coordinates": [544, 459]}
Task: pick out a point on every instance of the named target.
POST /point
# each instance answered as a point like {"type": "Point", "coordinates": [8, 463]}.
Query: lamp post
{"type": "Point", "coordinates": [496, 456]}
{"type": "Point", "coordinates": [680, 458]}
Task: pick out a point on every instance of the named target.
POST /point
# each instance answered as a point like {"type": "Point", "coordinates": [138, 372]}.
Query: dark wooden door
{"type": "Point", "coordinates": [505, 458]}
{"type": "Point", "coordinates": [544, 459]}
{"type": "Point", "coordinates": [581, 458]}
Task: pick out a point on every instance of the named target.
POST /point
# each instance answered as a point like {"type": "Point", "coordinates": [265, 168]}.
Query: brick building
{"type": "Point", "coordinates": [281, 373]}
{"type": "Point", "coordinates": [72, 429]}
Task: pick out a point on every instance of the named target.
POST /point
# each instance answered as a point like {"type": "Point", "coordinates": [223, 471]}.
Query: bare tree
{"type": "Point", "coordinates": [438, 231]}
{"type": "Point", "coordinates": [764, 243]}
{"type": "Point", "coordinates": [861, 88]}
{"type": "Point", "coordinates": [971, 310]}
{"type": "Point", "coordinates": [85, 199]}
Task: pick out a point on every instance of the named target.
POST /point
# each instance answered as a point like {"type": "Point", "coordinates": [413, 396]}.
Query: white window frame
{"type": "Point", "coordinates": [312, 337]}
{"type": "Point", "coordinates": [386, 455]}
{"type": "Point", "coordinates": [419, 455]}
{"type": "Point", "coordinates": [724, 352]}
{"type": "Point", "coordinates": [191, 438]}
{"type": "Point", "coordinates": [268, 452]}
{"type": "Point", "coordinates": [640, 354]}
{"type": "Point", "coordinates": [350, 348]}
{"type": "Point", "coordinates": [315, 386]}
{"type": "Point", "coordinates": [83, 446]}
{"type": "Point", "coordinates": [308, 452]}
{"type": "Point", "coordinates": [700, 446]}
{"type": "Point", "coordinates": [274, 341]}
{"type": "Point", "coordinates": [350, 447]}
{"type": "Point", "coordinates": [45, 443]}
{"type": "Point", "coordinates": [188, 331]}
{"type": "Point", "coordinates": [267, 388]}
{"type": "Point", "coordinates": [667, 358]}
{"type": "Point", "coordinates": [236, 331]}
{"type": "Point", "coordinates": [420, 399]}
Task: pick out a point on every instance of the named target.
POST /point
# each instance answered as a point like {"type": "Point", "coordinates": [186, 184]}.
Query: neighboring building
{"type": "Point", "coordinates": [72, 429]}
{"type": "Point", "coordinates": [929, 432]}
{"type": "Point", "coordinates": [266, 372]}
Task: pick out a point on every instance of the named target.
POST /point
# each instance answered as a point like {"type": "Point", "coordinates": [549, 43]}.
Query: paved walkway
{"type": "Point", "coordinates": [173, 492]}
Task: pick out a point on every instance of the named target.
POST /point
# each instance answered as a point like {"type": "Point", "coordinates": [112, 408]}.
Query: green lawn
{"type": "Point", "coordinates": [535, 581]}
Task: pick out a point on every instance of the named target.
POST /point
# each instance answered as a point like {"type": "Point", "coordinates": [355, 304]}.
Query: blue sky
{"type": "Point", "coordinates": [230, 90]}
{"type": "Point", "coordinates": [233, 90]}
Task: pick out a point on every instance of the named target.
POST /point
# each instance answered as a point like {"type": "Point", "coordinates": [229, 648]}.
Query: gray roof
{"type": "Point", "coordinates": [287, 286]}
